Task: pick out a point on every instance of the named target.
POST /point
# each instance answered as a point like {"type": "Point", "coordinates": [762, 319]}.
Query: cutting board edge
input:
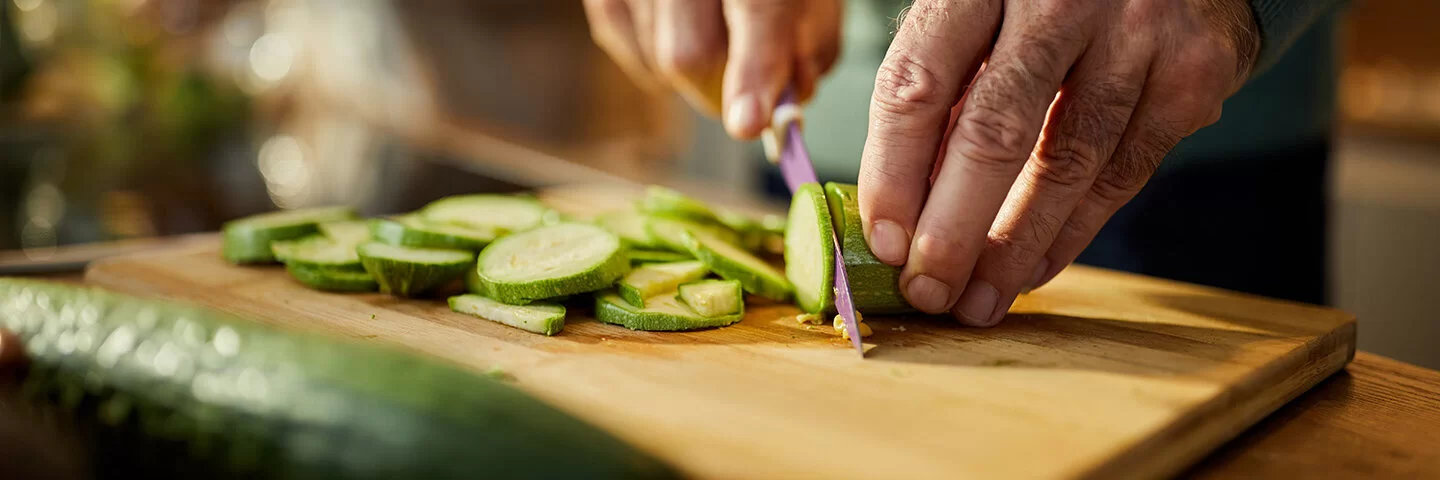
{"type": "Point", "coordinates": [1244, 403]}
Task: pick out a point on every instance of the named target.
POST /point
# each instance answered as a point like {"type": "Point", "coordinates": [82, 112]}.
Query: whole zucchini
{"type": "Point", "coordinates": [171, 390]}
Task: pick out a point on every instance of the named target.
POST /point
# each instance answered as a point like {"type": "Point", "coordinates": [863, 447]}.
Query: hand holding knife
{"type": "Point", "coordinates": [785, 146]}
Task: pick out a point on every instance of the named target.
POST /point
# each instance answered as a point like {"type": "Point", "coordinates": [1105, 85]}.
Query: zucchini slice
{"type": "Point", "coordinates": [409, 271]}
{"type": "Point", "coordinates": [333, 279]}
{"type": "Point", "coordinates": [353, 232]}
{"type": "Point", "coordinates": [508, 213]}
{"type": "Point", "coordinates": [713, 298]}
{"type": "Point", "coordinates": [640, 257]}
{"type": "Point", "coordinates": [734, 263]}
{"type": "Point", "coordinates": [411, 231]}
{"type": "Point", "coordinates": [666, 232]}
{"type": "Point", "coordinates": [874, 285]}
{"type": "Point", "coordinates": [630, 226]}
{"type": "Point", "coordinates": [550, 262]}
{"type": "Point", "coordinates": [810, 249]}
{"type": "Point", "coordinates": [317, 251]}
{"type": "Point", "coordinates": [158, 389]}
{"type": "Point", "coordinates": [248, 239]}
{"type": "Point", "coordinates": [656, 278]}
{"type": "Point", "coordinates": [545, 319]}
{"type": "Point", "coordinates": [661, 313]}
{"type": "Point", "coordinates": [668, 202]}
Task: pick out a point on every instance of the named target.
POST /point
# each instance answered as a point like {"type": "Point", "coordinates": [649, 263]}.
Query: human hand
{"type": "Point", "coordinates": [1000, 196]}
{"type": "Point", "coordinates": [730, 56]}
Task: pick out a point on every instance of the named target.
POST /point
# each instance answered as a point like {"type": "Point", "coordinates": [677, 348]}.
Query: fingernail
{"type": "Point", "coordinates": [1038, 275]}
{"type": "Point", "coordinates": [928, 295]}
{"type": "Point", "coordinates": [977, 303]}
{"type": "Point", "coordinates": [889, 242]}
{"type": "Point", "coordinates": [743, 116]}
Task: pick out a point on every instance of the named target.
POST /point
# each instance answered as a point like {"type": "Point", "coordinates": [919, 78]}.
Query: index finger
{"type": "Point", "coordinates": [936, 52]}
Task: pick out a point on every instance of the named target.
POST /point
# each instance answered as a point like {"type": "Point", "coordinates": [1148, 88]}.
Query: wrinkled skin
{"type": "Point", "coordinates": [1003, 134]}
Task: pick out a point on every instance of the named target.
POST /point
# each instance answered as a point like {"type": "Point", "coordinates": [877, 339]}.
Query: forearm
{"type": "Point", "coordinates": [1281, 22]}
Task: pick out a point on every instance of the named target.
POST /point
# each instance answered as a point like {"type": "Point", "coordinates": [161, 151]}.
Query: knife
{"type": "Point", "coordinates": [785, 146]}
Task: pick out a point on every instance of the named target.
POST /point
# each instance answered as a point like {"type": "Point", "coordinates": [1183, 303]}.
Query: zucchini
{"type": "Point", "coordinates": [410, 272]}
{"type": "Point", "coordinates": [247, 240]}
{"type": "Point", "coordinates": [733, 263]}
{"type": "Point", "coordinates": [874, 285]}
{"type": "Point", "coordinates": [668, 202]}
{"type": "Point", "coordinates": [353, 232]}
{"type": "Point", "coordinates": [661, 313]}
{"type": "Point", "coordinates": [150, 388]}
{"type": "Point", "coordinates": [510, 213]}
{"type": "Point", "coordinates": [666, 232]}
{"type": "Point", "coordinates": [317, 251]}
{"type": "Point", "coordinates": [550, 262]}
{"type": "Point", "coordinates": [713, 298]}
{"type": "Point", "coordinates": [640, 257]}
{"type": "Point", "coordinates": [657, 278]}
{"type": "Point", "coordinates": [810, 249]}
{"type": "Point", "coordinates": [540, 318]}
{"type": "Point", "coordinates": [411, 231]}
{"type": "Point", "coordinates": [333, 279]}
{"type": "Point", "coordinates": [629, 225]}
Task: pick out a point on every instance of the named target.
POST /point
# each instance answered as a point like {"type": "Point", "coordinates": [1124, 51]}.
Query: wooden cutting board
{"type": "Point", "coordinates": [1099, 374]}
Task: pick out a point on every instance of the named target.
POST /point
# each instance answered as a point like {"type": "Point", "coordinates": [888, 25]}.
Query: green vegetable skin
{"type": "Point", "coordinates": [874, 286]}
{"type": "Point", "coordinates": [662, 312]}
{"type": "Point", "coordinates": [414, 232]}
{"type": "Point", "coordinates": [247, 240]}
{"type": "Point", "coordinates": [409, 272]}
{"type": "Point", "coordinates": [333, 279]}
{"type": "Point", "coordinates": [165, 388]}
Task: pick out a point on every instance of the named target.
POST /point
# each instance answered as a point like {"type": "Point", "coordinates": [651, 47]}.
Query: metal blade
{"type": "Point", "coordinates": [796, 167]}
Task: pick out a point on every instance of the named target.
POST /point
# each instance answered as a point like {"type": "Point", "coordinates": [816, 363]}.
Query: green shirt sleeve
{"type": "Point", "coordinates": [1283, 21]}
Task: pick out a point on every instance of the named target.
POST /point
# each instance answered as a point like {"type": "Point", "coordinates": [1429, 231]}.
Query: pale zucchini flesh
{"type": "Point", "coordinates": [656, 278]}
{"type": "Point", "coordinates": [317, 251]}
{"type": "Point", "coordinates": [353, 232]}
{"type": "Point", "coordinates": [629, 225]}
{"type": "Point", "coordinates": [713, 298]}
{"type": "Point", "coordinates": [661, 313]}
{"type": "Point", "coordinates": [412, 231]}
{"type": "Point", "coordinates": [247, 240]}
{"type": "Point", "coordinates": [545, 319]}
{"type": "Point", "coordinates": [664, 201]}
{"type": "Point", "coordinates": [551, 261]}
{"type": "Point", "coordinates": [410, 271]}
{"type": "Point", "coordinates": [508, 213]}
{"type": "Point", "coordinates": [810, 249]}
{"type": "Point", "coordinates": [734, 263]}
{"type": "Point", "coordinates": [666, 231]}
{"type": "Point", "coordinates": [640, 257]}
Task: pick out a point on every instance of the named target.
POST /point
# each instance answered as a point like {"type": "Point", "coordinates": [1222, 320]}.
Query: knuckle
{"type": "Point", "coordinates": [904, 86]}
{"type": "Point", "coordinates": [1008, 252]}
{"type": "Point", "coordinates": [939, 251]}
{"type": "Point", "coordinates": [686, 58]}
{"type": "Point", "coordinates": [1066, 164]}
{"type": "Point", "coordinates": [991, 138]}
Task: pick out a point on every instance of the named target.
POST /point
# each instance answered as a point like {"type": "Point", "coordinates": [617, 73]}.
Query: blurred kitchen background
{"type": "Point", "coordinates": [124, 119]}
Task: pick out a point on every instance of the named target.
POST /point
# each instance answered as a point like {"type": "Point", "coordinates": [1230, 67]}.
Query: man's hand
{"type": "Point", "coordinates": [1001, 196]}
{"type": "Point", "coordinates": [684, 45]}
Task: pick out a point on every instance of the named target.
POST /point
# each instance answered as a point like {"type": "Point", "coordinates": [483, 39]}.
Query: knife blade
{"type": "Point", "coordinates": [784, 140]}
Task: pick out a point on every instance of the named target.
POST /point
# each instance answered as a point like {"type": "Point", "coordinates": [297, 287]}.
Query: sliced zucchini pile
{"type": "Point", "coordinates": [666, 263]}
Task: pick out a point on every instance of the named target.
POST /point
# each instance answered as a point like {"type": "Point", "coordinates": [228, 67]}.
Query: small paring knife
{"type": "Point", "coordinates": [785, 146]}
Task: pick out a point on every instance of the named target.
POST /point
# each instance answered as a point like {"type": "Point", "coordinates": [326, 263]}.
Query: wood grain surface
{"type": "Point", "coordinates": [1378, 418]}
{"type": "Point", "coordinates": [1100, 374]}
